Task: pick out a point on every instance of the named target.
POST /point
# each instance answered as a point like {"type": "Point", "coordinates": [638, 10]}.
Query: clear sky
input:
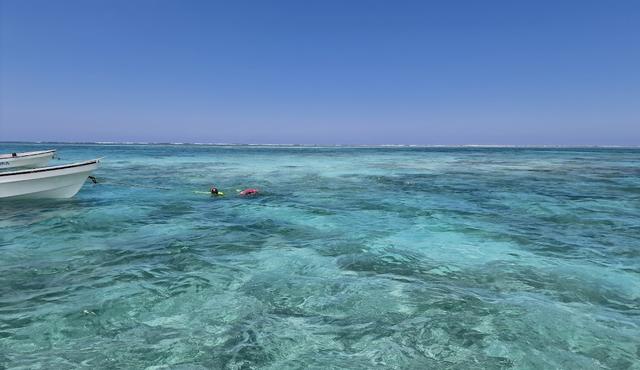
{"type": "Point", "coordinates": [328, 72]}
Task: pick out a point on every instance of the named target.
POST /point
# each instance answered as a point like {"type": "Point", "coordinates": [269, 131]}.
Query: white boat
{"type": "Point", "coordinates": [26, 159]}
{"type": "Point", "coordinates": [47, 182]}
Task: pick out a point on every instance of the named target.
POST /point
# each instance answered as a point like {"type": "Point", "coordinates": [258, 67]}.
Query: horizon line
{"type": "Point", "coordinates": [325, 145]}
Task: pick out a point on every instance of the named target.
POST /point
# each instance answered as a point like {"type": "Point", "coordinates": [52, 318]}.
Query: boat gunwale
{"type": "Point", "coordinates": [52, 168]}
{"type": "Point", "coordinates": [31, 154]}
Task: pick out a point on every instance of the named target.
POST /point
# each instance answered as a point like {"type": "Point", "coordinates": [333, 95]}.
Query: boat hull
{"type": "Point", "coordinates": [28, 159]}
{"type": "Point", "coordinates": [57, 182]}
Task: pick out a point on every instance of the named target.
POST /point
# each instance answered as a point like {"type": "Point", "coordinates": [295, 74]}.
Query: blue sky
{"type": "Point", "coordinates": [332, 72]}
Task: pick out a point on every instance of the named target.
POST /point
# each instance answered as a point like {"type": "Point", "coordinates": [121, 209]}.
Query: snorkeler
{"type": "Point", "coordinates": [215, 192]}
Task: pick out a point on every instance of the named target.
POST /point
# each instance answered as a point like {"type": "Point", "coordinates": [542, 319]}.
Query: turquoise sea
{"type": "Point", "coordinates": [351, 258]}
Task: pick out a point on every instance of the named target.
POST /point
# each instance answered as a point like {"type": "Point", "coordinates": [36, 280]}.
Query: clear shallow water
{"type": "Point", "coordinates": [351, 258]}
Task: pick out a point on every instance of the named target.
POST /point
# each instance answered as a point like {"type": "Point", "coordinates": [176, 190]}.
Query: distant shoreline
{"type": "Point", "coordinates": [532, 146]}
